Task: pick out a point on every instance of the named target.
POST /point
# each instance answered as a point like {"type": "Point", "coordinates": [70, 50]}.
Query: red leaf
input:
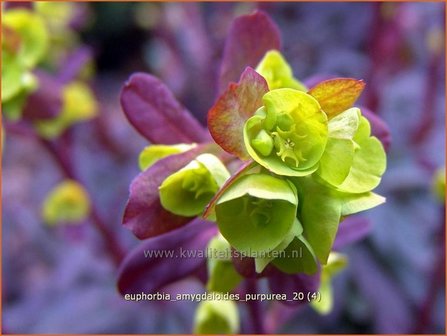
{"type": "Point", "coordinates": [249, 38]}
{"type": "Point", "coordinates": [144, 215]}
{"type": "Point", "coordinates": [337, 95]}
{"type": "Point", "coordinates": [227, 117]}
{"type": "Point", "coordinates": [154, 112]}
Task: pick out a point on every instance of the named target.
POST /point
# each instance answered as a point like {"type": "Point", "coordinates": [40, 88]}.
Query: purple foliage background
{"type": "Point", "coordinates": [63, 281]}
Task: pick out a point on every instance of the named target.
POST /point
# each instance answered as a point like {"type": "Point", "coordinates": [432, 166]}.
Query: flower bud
{"type": "Point", "coordinates": [67, 203]}
{"type": "Point", "coordinates": [277, 72]}
{"type": "Point", "coordinates": [216, 317]}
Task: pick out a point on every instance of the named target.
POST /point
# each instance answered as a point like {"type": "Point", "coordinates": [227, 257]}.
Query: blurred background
{"type": "Point", "coordinates": [62, 278]}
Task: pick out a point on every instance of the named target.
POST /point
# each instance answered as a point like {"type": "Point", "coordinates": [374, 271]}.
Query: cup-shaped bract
{"type": "Point", "coordinates": [67, 203]}
{"type": "Point", "coordinates": [353, 161]}
{"type": "Point", "coordinates": [257, 212]}
{"type": "Point", "coordinates": [24, 42]}
{"type": "Point", "coordinates": [79, 104]}
{"type": "Point", "coordinates": [288, 134]}
{"type": "Point", "coordinates": [277, 72]}
{"type": "Point", "coordinates": [187, 191]}
{"type": "Point", "coordinates": [298, 257]}
{"type": "Point", "coordinates": [222, 276]}
{"type": "Point", "coordinates": [216, 317]}
{"type": "Point", "coordinates": [336, 263]}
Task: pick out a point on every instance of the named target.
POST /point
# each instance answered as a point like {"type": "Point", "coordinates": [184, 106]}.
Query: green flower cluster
{"type": "Point", "coordinates": [24, 43]}
{"type": "Point", "coordinates": [315, 168]}
{"type": "Point", "coordinates": [310, 170]}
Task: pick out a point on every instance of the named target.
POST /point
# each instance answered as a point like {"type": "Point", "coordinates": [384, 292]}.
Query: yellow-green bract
{"type": "Point", "coordinates": [257, 212]}
{"type": "Point", "coordinates": [79, 104]}
{"type": "Point", "coordinates": [336, 263]}
{"type": "Point", "coordinates": [67, 203]}
{"type": "Point", "coordinates": [187, 191]}
{"type": "Point", "coordinates": [353, 160]}
{"type": "Point", "coordinates": [222, 276]}
{"type": "Point", "coordinates": [216, 317]}
{"type": "Point", "coordinates": [289, 134]}
{"type": "Point", "coordinates": [151, 154]}
{"type": "Point", "coordinates": [277, 72]}
{"type": "Point", "coordinates": [24, 43]}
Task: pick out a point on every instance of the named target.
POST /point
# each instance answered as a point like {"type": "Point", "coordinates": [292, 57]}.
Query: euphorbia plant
{"type": "Point", "coordinates": [287, 165]}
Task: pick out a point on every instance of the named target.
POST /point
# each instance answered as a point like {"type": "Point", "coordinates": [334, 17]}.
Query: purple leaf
{"type": "Point", "coordinates": [74, 63]}
{"type": "Point", "coordinates": [389, 305]}
{"type": "Point", "coordinates": [144, 214]}
{"type": "Point", "coordinates": [289, 283]}
{"type": "Point", "coordinates": [154, 112]}
{"type": "Point", "coordinates": [19, 5]}
{"type": "Point", "coordinates": [351, 230]}
{"type": "Point", "coordinates": [378, 127]}
{"type": "Point", "coordinates": [226, 119]}
{"type": "Point", "coordinates": [249, 38]}
{"type": "Point", "coordinates": [46, 101]}
{"type": "Point", "coordinates": [142, 272]}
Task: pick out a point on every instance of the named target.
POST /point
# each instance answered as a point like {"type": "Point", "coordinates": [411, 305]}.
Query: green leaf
{"type": "Point", "coordinates": [256, 213]}
{"type": "Point", "coordinates": [277, 72]}
{"type": "Point", "coordinates": [246, 167]}
{"type": "Point", "coordinates": [320, 214]}
{"type": "Point", "coordinates": [216, 317]}
{"type": "Point", "coordinates": [345, 124]}
{"type": "Point", "coordinates": [298, 257]}
{"type": "Point", "coordinates": [56, 14]}
{"type": "Point", "coordinates": [324, 306]}
{"type": "Point", "coordinates": [337, 95]}
{"type": "Point", "coordinates": [369, 162]}
{"type": "Point", "coordinates": [12, 72]}
{"type": "Point", "coordinates": [336, 161]}
{"type": "Point", "coordinates": [289, 134]}
{"type": "Point", "coordinates": [151, 154]}
{"type": "Point", "coordinates": [79, 104]}
{"type": "Point", "coordinates": [353, 161]}
{"type": "Point", "coordinates": [354, 203]}
{"type": "Point", "coordinates": [67, 203]}
{"type": "Point", "coordinates": [336, 263]}
{"type": "Point", "coordinates": [32, 32]}
{"type": "Point", "coordinates": [338, 155]}
{"type": "Point", "coordinates": [188, 191]}
{"type": "Point", "coordinates": [223, 277]}
{"type": "Point", "coordinates": [261, 262]}
{"type": "Point", "coordinates": [12, 108]}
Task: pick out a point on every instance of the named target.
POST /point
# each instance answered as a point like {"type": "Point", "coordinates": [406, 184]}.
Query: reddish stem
{"type": "Point", "coordinates": [428, 116]}
{"type": "Point", "coordinates": [110, 240]}
{"type": "Point", "coordinates": [63, 161]}
{"type": "Point", "coordinates": [254, 308]}
{"type": "Point", "coordinates": [436, 280]}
